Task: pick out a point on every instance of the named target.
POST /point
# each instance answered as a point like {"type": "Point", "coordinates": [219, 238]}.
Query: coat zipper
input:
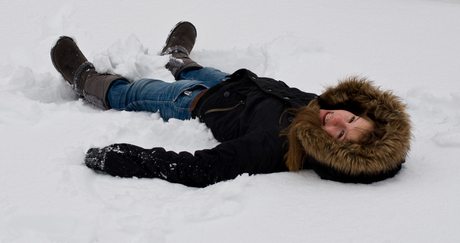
{"type": "Point", "coordinates": [224, 109]}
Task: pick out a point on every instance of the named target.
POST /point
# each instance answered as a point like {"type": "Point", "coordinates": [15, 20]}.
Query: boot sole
{"type": "Point", "coordinates": [163, 51]}
{"type": "Point", "coordinates": [53, 55]}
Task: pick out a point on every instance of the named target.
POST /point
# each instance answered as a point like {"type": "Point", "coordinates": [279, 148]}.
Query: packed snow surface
{"type": "Point", "coordinates": [48, 195]}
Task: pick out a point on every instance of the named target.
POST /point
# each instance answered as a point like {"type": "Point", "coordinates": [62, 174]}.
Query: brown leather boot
{"type": "Point", "coordinates": [70, 62]}
{"type": "Point", "coordinates": [179, 44]}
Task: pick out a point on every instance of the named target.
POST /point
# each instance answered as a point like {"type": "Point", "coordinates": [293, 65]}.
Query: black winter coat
{"type": "Point", "coordinates": [245, 113]}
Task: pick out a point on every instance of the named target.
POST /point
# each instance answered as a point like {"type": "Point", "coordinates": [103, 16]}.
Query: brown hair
{"type": "Point", "coordinates": [369, 136]}
{"type": "Point", "coordinates": [307, 118]}
{"type": "Point", "coordinates": [304, 117]}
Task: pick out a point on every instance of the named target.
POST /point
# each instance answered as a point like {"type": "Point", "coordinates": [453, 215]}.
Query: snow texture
{"type": "Point", "coordinates": [49, 195]}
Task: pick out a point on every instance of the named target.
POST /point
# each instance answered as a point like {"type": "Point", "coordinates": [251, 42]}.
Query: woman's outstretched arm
{"type": "Point", "coordinates": [255, 153]}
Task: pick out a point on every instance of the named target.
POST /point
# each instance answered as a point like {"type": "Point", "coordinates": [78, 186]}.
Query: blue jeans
{"type": "Point", "coordinates": [171, 100]}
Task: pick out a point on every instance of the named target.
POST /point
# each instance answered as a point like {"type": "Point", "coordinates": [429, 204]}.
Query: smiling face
{"type": "Point", "coordinates": [343, 125]}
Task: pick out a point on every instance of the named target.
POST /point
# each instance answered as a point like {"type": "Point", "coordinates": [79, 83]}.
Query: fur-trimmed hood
{"type": "Point", "coordinates": [351, 162]}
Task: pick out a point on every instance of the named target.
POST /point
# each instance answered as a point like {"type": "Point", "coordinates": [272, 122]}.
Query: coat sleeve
{"type": "Point", "coordinates": [254, 153]}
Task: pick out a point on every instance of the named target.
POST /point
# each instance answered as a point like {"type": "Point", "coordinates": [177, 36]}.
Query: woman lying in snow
{"type": "Point", "coordinates": [353, 132]}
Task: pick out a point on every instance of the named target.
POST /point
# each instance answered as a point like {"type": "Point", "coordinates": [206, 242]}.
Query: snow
{"type": "Point", "coordinates": [48, 194]}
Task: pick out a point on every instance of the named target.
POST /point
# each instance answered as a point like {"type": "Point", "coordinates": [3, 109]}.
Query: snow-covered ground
{"type": "Point", "coordinates": [48, 195]}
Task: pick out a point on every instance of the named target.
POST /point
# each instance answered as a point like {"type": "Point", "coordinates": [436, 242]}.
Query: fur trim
{"type": "Point", "coordinates": [346, 159]}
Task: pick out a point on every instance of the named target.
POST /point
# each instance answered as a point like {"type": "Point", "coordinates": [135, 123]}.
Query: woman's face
{"type": "Point", "coordinates": [343, 125]}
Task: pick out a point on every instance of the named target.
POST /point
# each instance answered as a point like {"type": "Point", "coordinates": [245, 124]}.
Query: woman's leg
{"type": "Point", "coordinates": [171, 100]}
{"type": "Point", "coordinates": [204, 74]}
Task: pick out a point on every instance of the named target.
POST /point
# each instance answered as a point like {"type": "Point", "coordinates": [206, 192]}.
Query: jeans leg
{"type": "Point", "coordinates": [171, 100]}
{"type": "Point", "coordinates": [204, 74]}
